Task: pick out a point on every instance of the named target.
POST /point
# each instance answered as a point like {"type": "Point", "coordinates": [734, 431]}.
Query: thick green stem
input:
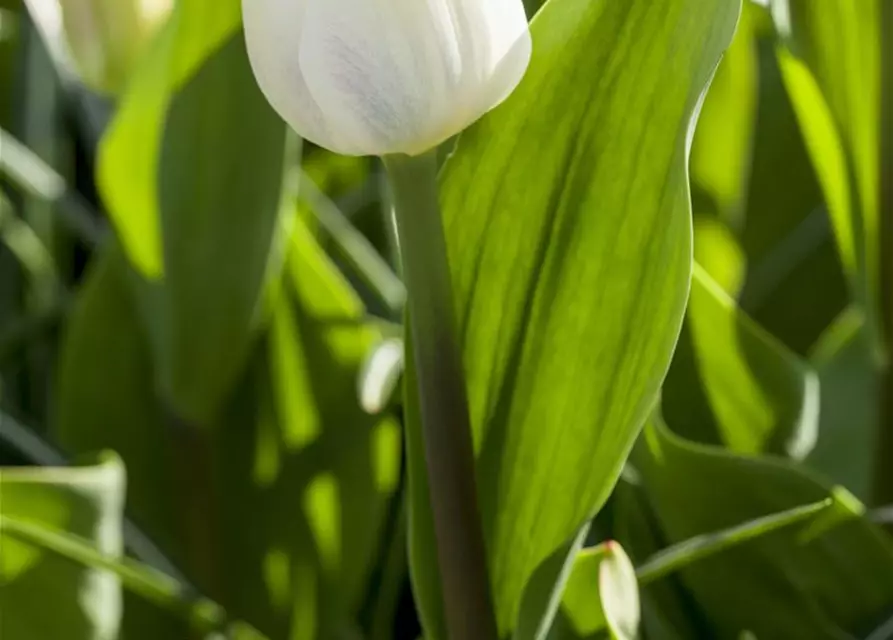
{"type": "Point", "coordinates": [883, 471]}
{"type": "Point", "coordinates": [443, 400]}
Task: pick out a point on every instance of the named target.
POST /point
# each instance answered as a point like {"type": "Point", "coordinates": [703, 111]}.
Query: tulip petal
{"type": "Point", "coordinates": [401, 77]}
{"type": "Point", "coordinates": [511, 49]}
{"type": "Point", "coordinates": [273, 37]}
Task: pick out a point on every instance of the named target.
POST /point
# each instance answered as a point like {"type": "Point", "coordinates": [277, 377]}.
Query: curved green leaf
{"type": "Point", "coordinates": [568, 224]}
{"type": "Point", "coordinates": [130, 152]}
{"type": "Point", "coordinates": [85, 601]}
{"type": "Point", "coordinates": [830, 578]}
{"type": "Point", "coordinates": [732, 383]}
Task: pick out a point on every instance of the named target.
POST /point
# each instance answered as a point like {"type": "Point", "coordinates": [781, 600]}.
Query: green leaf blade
{"type": "Point", "coordinates": [568, 223]}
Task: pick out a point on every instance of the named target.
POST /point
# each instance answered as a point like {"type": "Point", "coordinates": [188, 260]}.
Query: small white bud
{"type": "Point", "coordinates": [379, 77]}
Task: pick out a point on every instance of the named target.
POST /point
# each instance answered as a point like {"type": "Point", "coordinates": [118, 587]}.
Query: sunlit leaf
{"type": "Point", "coordinates": [568, 223]}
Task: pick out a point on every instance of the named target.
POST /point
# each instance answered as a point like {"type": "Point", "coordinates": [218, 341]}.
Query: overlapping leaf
{"type": "Point", "coordinates": [832, 578]}
{"type": "Point", "coordinates": [195, 219]}
{"type": "Point", "coordinates": [292, 490]}
{"type": "Point", "coordinates": [732, 383]}
{"type": "Point", "coordinates": [568, 224]}
{"type": "Point", "coordinates": [831, 67]}
{"type": "Point", "coordinates": [85, 602]}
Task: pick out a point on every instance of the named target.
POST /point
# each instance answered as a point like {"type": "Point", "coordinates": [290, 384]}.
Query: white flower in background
{"type": "Point", "coordinates": [379, 77]}
{"type": "Point", "coordinates": [101, 41]}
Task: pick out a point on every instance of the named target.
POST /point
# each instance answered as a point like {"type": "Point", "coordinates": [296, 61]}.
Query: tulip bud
{"type": "Point", "coordinates": [380, 77]}
{"type": "Point", "coordinates": [101, 39]}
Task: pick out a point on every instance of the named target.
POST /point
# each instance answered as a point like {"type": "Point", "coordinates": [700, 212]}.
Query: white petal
{"type": "Point", "coordinates": [510, 48]}
{"type": "Point", "coordinates": [401, 76]}
{"type": "Point", "coordinates": [273, 37]}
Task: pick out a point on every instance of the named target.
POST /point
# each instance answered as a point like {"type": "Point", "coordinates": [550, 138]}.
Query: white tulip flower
{"type": "Point", "coordinates": [381, 77]}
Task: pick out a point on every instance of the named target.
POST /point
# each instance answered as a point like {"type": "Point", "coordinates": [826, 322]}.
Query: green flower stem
{"type": "Point", "coordinates": [446, 426]}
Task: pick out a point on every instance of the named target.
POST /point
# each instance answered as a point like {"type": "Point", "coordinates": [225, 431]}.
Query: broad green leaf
{"type": "Point", "coordinates": [197, 221]}
{"type": "Point", "coordinates": [602, 595]}
{"type": "Point", "coordinates": [568, 224]}
{"type": "Point", "coordinates": [731, 383]}
{"type": "Point", "coordinates": [831, 67]}
{"type": "Point", "coordinates": [131, 150]}
{"type": "Point", "coordinates": [830, 578]}
{"type": "Point", "coordinates": [219, 215]}
{"type": "Point", "coordinates": [85, 601]}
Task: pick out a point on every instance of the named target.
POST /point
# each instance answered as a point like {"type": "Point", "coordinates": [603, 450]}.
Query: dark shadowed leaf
{"type": "Point", "coordinates": [733, 384]}
{"type": "Point", "coordinates": [832, 577]}
{"type": "Point", "coordinates": [196, 219]}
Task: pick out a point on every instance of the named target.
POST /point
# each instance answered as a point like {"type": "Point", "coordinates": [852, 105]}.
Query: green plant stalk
{"type": "Point", "coordinates": [446, 426]}
{"type": "Point", "coordinates": [146, 582]}
{"type": "Point", "coordinates": [883, 469]}
{"type": "Point", "coordinates": [704, 546]}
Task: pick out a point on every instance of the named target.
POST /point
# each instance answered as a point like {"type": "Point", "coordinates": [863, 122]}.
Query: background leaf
{"type": "Point", "coordinates": [293, 488]}
{"type": "Point", "coordinates": [214, 213]}
{"type": "Point", "coordinates": [831, 69]}
{"type": "Point", "coordinates": [587, 613]}
{"type": "Point", "coordinates": [829, 579]}
{"type": "Point", "coordinates": [849, 414]}
{"type": "Point", "coordinates": [128, 162]}
{"type": "Point", "coordinates": [733, 384]}
{"type": "Point", "coordinates": [85, 602]}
